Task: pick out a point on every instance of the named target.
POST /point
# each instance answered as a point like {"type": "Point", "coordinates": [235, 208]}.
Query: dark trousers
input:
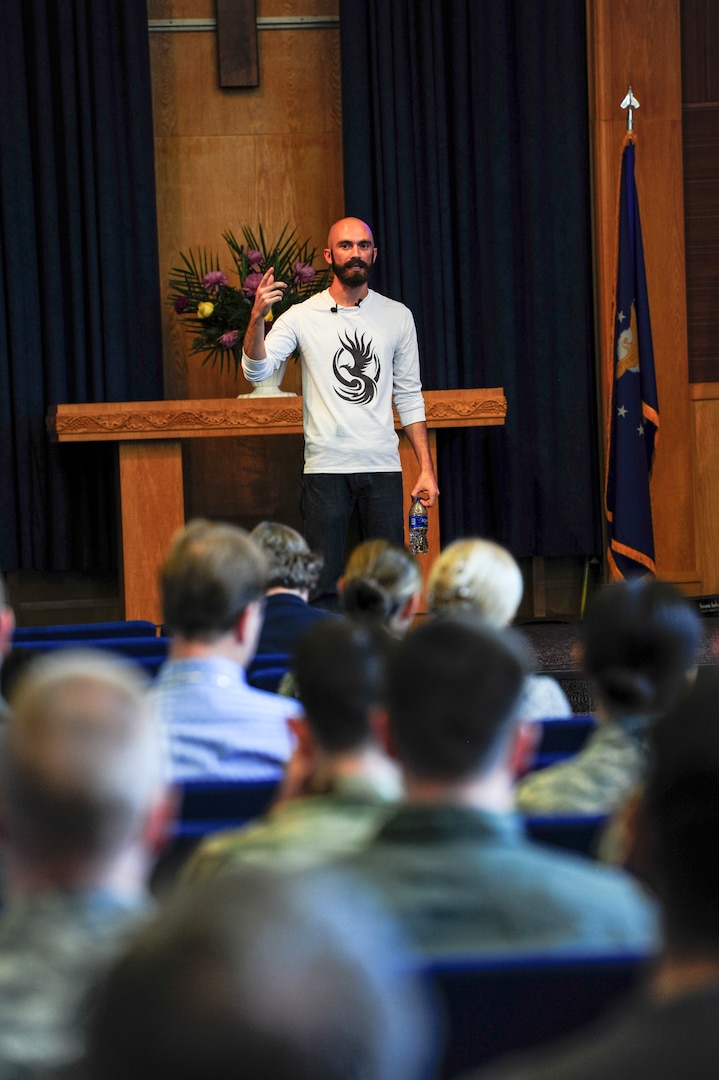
{"type": "Point", "coordinates": [328, 501]}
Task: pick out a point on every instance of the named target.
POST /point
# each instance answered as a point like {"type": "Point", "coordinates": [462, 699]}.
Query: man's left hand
{"type": "Point", "coordinates": [426, 488]}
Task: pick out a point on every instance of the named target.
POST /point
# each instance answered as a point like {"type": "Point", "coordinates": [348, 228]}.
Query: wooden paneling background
{"type": "Point", "coordinates": [637, 43]}
{"type": "Point", "coordinates": [225, 157]}
{"type": "Point", "coordinates": [700, 96]}
{"type": "Point", "coordinates": [273, 154]}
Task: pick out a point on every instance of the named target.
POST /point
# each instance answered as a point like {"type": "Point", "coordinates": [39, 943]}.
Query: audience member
{"type": "Point", "coordinates": [293, 977]}
{"type": "Point", "coordinates": [7, 626]}
{"type": "Point", "coordinates": [670, 1029]}
{"type": "Point", "coordinates": [479, 576]}
{"type": "Point", "coordinates": [454, 861]}
{"type": "Point", "coordinates": [293, 572]}
{"type": "Point", "coordinates": [640, 642]}
{"type": "Point", "coordinates": [83, 811]}
{"type": "Point", "coordinates": [340, 786]}
{"type": "Point", "coordinates": [382, 582]}
{"type": "Point", "coordinates": [213, 582]}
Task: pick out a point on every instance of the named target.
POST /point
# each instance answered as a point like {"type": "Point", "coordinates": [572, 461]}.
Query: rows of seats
{"type": "Point", "coordinates": [85, 632]}
{"type": "Point", "coordinates": [137, 640]}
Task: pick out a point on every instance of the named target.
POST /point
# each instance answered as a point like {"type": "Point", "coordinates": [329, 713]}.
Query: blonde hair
{"type": "Point", "coordinates": [476, 575]}
{"type": "Point", "coordinates": [380, 577]}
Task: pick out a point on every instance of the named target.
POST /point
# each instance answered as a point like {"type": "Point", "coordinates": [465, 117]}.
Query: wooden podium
{"type": "Point", "coordinates": [149, 434]}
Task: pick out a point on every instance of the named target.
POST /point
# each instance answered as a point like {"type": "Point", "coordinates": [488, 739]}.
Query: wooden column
{"type": "Point", "coordinates": [637, 44]}
{"type": "Point", "coordinates": [151, 510]}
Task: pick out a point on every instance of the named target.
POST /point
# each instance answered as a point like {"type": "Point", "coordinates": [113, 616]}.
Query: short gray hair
{"type": "Point", "coordinates": [82, 760]}
{"type": "Point", "coordinates": [291, 563]}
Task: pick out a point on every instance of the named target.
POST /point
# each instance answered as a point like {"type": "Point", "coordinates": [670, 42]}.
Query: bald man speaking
{"type": "Point", "coordinates": [359, 352]}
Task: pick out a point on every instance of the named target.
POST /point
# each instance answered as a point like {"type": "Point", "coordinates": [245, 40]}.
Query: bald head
{"type": "Point", "coordinates": [351, 253]}
{"type": "Point", "coordinates": [81, 764]}
{"type": "Point", "coordinates": [349, 228]}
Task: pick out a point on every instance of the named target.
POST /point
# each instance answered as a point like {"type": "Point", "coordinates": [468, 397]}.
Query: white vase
{"type": "Point", "coordinates": [270, 387]}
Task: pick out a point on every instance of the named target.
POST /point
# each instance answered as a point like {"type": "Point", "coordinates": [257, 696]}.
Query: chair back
{"type": "Point", "coordinates": [210, 805]}
{"type": "Point", "coordinates": [267, 671]}
{"type": "Point", "coordinates": [493, 1006]}
{"type": "Point", "coordinates": [81, 632]}
{"type": "Point", "coordinates": [573, 832]}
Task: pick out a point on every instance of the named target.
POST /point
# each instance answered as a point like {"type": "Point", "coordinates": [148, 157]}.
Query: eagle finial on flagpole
{"type": "Point", "coordinates": [630, 103]}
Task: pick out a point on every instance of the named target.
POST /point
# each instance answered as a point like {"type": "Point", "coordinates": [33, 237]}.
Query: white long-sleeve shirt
{"type": "Point", "coordinates": [355, 360]}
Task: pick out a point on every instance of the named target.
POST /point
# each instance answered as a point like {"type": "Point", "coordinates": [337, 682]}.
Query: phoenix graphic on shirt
{"type": "Point", "coordinates": [357, 369]}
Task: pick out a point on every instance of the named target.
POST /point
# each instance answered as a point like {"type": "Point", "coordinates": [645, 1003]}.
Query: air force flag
{"type": "Point", "coordinates": [634, 416]}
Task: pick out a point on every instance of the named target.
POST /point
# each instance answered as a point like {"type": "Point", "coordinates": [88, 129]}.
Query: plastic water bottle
{"type": "Point", "coordinates": [418, 544]}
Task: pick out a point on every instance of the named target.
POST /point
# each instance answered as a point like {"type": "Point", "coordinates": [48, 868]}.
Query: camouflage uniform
{"type": "Point", "coordinates": [597, 779]}
{"type": "Point", "coordinates": [303, 832]}
{"type": "Point", "coordinates": [53, 945]}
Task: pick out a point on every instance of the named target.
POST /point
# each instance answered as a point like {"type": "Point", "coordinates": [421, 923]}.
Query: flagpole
{"type": "Point", "coordinates": [630, 103]}
{"type": "Point", "coordinates": [633, 413]}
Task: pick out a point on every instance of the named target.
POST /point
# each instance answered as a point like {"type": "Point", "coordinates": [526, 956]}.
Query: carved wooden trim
{"type": "Point", "coordinates": [243, 416]}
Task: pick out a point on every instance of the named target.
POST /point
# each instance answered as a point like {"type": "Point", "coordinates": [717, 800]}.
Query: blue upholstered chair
{"type": "Point", "coordinates": [267, 671]}
{"type": "Point", "coordinates": [492, 1006]}
{"type": "Point", "coordinates": [574, 832]}
{"type": "Point", "coordinates": [210, 805]}
{"type": "Point", "coordinates": [84, 632]}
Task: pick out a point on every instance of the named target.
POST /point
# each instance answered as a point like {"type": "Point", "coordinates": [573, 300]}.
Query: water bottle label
{"type": "Point", "coordinates": [418, 521]}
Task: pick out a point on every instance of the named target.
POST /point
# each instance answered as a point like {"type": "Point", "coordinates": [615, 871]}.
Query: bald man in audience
{"type": "Point", "coordinates": [262, 976]}
{"type": "Point", "coordinates": [84, 809]}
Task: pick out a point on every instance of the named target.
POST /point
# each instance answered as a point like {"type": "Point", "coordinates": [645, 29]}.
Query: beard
{"type": "Point", "coordinates": [353, 273]}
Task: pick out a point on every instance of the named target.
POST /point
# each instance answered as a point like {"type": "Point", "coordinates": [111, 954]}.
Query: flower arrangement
{"type": "Point", "coordinates": [216, 312]}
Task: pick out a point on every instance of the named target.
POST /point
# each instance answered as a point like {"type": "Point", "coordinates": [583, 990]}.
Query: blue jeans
{"type": "Point", "coordinates": [328, 501]}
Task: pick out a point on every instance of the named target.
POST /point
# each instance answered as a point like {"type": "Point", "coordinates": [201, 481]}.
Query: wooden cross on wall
{"type": "Point", "coordinates": [237, 42]}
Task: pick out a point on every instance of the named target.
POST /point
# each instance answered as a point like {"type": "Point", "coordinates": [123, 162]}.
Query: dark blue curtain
{"type": "Point", "coordinates": [79, 277]}
{"type": "Point", "coordinates": [466, 147]}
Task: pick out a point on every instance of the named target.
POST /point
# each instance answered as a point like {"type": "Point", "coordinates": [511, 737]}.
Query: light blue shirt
{"type": "Point", "coordinates": [218, 727]}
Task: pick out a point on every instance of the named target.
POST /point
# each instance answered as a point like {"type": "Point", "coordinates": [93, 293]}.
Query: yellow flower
{"type": "Point", "coordinates": [205, 309]}
{"type": "Point", "coordinates": [269, 316]}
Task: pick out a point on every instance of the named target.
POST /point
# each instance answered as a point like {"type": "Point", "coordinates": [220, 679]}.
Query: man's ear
{"type": "Point", "coordinates": [636, 838]}
{"type": "Point", "coordinates": [161, 820]}
{"type": "Point", "coordinates": [7, 628]}
{"type": "Point", "coordinates": [382, 730]}
{"type": "Point", "coordinates": [524, 748]}
{"type": "Point", "coordinates": [249, 625]}
{"type": "Point", "coordinates": [305, 742]}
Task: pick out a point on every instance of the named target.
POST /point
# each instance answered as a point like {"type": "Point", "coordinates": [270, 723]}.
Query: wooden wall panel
{"type": "Point", "coordinates": [701, 197]}
{"type": "Point", "coordinates": [700, 36]}
{"type": "Point", "coordinates": [636, 42]}
{"type": "Point", "coordinates": [227, 157]}
{"type": "Point", "coordinates": [705, 417]}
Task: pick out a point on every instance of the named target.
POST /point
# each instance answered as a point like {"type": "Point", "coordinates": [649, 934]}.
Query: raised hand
{"type": "Point", "coordinates": [269, 292]}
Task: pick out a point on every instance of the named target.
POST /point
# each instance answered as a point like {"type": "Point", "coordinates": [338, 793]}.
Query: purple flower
{"type": "Point", "coordinates": [229, 339]}
{"type": "Point", "coordinates": [254, 259]}
{"type": "Point", "coordinates": [303, 273]}
{"type": "Point", "coordinates": [181, 304]}
{"type": "Point", "coordinates": [250, 284]}
{"type": "Point", "coordinates": [214, 280]}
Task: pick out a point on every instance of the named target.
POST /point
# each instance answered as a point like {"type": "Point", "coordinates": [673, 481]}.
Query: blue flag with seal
{"type": "Point", "coordinates": [634, 416]}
